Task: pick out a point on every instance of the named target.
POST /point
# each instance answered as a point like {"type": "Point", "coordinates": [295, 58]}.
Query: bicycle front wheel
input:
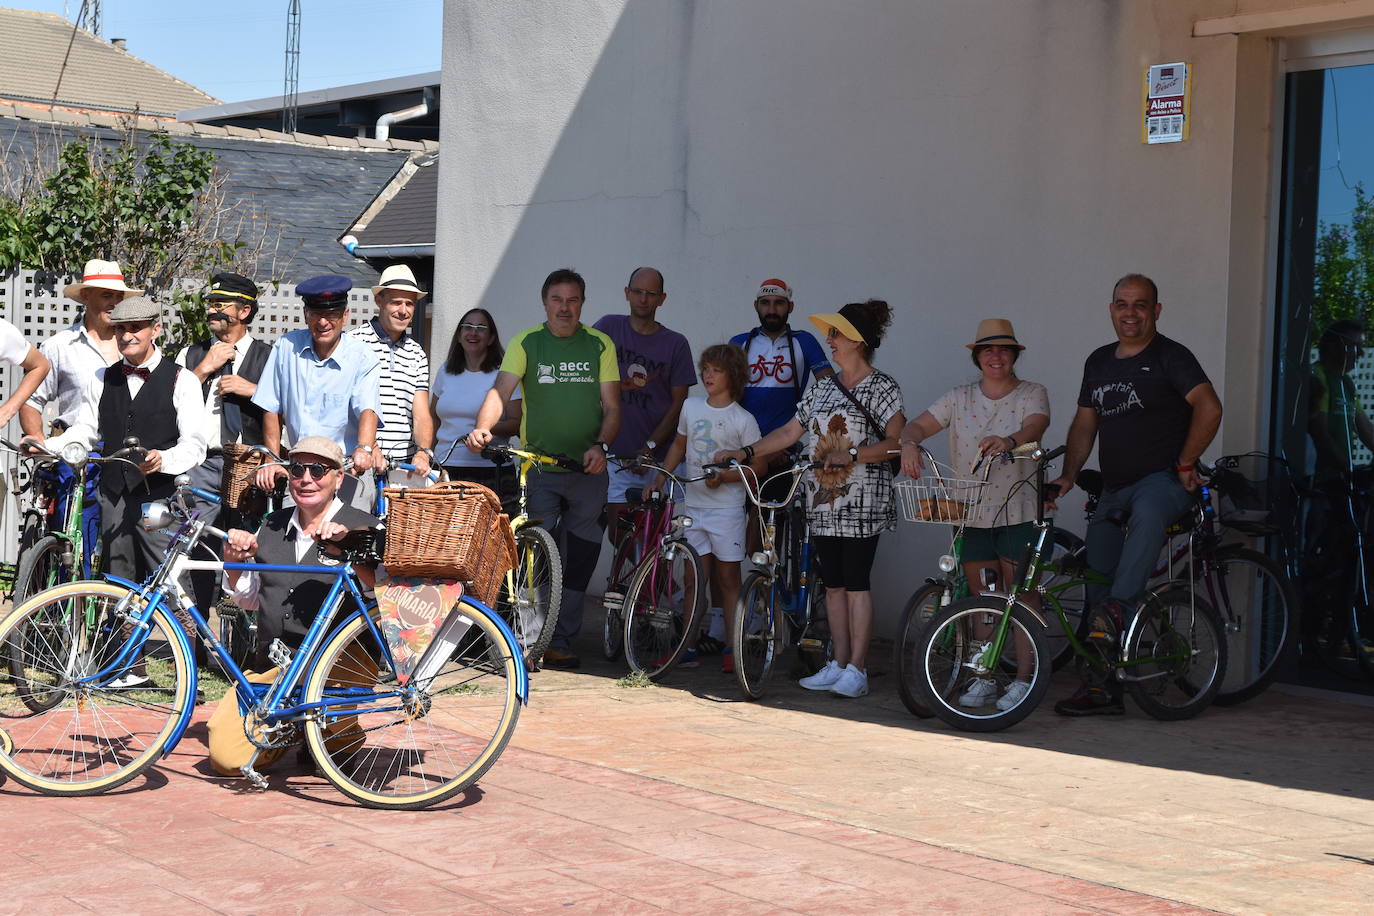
{"type": "Point", "coordinates": [85, 737]}
{"type": "Point", "coordinates": [662, 608]}
{"type": "Point", "coordinates": [412, 745]}
{"type": "Point", "coordinates": [759, 636]}
{"type": "Point", "coordinates": [920, 608]}
{"type": "Point", "coordinates": [532, 592]}
{"type": "Point", "coordinates": [1175, 655]}
{"type": "Point", "coordinates": [965, 687]}
{"type": "Point", "coordinates": [40, 567]}
{"type": "Point", "coordinates": [1072, 598]}
{"type": "Point", "coordinates": [1258, 609]}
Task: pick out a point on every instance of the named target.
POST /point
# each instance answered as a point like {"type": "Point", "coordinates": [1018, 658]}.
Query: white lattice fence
{"type": "Point", "coordinates": [39, 310]}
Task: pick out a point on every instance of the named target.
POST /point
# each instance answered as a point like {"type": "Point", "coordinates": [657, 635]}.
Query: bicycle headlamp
{"type": "Point", "coordinates": [759, 558]}
{"type": "Point", "coordinates": [686, 521]}
{"type": "Point", "coordinates": [947, 564]}
{"type": "Point", "coordinates": [157, 516]}
{"type": "Point", "coordinates": [74, 453]}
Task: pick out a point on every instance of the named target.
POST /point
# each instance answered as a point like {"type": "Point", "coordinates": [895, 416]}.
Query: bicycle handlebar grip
{"type": "Point", "coordinates": [567, 464]}
{"type": "Point", "coordinates": [494, 452]}
{"type": "Point", "coordinates": [1055, 453]}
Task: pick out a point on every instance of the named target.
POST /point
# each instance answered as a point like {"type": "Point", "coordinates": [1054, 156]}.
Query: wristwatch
{"type": "Point", "coordinates": [605, 449]}
{"type": "Point", "coordinates": [650, 444]}
{"type": "Point", "coordinates": [854, 453]}
{"type": "Point", "coordinates": [427, 451]}
{"type": "Point", "coordinates": [366, 448]}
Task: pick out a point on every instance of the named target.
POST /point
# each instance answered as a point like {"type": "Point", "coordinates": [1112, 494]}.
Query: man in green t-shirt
{"type": "Point", "coordinates": [570, 381]}
{"type": "Point", "coordinates": [1335, 419]}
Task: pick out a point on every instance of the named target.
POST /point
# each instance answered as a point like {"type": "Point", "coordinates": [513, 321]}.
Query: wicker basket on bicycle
{"type": "Point", "coordinates": [236, 487]}
{"type": "Point", "coordinates": [940, 497]}
{"type": "Point", "coordinates": [449, 531]}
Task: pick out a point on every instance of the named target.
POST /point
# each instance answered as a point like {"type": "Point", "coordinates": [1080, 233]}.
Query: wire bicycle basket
{"type": "Point", "coordinates": [940, 496]}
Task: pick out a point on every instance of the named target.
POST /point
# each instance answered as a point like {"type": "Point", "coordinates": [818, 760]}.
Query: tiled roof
{"type": "Point", "coordinates": [310, 191]}
{"type": "Point", "coordinates": [404, 213]}
{"type": "Point", "coordinates": [98, 75]}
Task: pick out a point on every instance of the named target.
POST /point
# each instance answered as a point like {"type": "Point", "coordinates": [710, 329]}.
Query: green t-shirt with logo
{"type": "Point", "coordinates": [560, 378]}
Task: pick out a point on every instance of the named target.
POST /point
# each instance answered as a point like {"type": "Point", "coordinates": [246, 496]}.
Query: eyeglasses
{"type": "Point", "coordinates": [297, 470]}
{"type": "Point", "coordinates": [833, 333]}
{"type": "Point", "coordinates": [646, 293]}
{"type": "Point", "coordinates": [332, 314]}
{"type": "Point", "coordinates": [479, 328]}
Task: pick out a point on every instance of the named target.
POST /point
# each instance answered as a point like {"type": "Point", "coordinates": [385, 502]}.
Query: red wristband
{"type": "Point", "coordinates": [1183, 467]}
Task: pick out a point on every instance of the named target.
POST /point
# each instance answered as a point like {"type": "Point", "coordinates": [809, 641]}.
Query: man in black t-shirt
{"type": "Point", "coordinates": [1153, 411]}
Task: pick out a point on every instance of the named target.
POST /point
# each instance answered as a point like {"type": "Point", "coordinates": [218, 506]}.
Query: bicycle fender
{"type": "Point", "coordinates": [184, 719]}
{"type": "Point", "coordinates": [1003, 596]}
{"type": "Point", "coordinates": [522, 675]}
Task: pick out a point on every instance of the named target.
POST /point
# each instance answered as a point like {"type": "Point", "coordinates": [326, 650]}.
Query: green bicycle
{"type": "Point", "coordinates": [1171, 657]}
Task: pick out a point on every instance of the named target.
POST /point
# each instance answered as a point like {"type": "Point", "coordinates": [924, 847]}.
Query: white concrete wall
{"type": "Point", "coordinates": [961, 159]}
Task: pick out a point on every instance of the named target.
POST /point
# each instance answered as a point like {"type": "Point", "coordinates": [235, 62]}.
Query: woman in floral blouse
{"type": "Point", "coordinates": [851, 422]}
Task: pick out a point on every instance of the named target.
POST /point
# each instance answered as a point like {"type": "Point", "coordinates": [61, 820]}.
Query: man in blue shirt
{"type": "Point", "coordinates": [321, 382]}
{"type": "Point", "coordinates": [780, 359]}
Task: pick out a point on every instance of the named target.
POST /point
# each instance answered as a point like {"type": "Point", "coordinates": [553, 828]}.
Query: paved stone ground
{"type": "Point", "coordinates": [681, 798]}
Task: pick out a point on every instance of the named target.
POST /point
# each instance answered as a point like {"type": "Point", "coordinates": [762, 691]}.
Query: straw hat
{"type": "Point", "coordinates": [995, 331]}
{"type": "Point", "coordinates": [397, 276]}
{"type": "Point", "coordinates": [100, 275]}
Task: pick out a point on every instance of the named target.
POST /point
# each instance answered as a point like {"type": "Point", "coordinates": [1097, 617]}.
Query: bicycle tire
{"type": "Point", "coordinates": [947, 649]}
{"type": "Point", "coordinates": [613, 623]}
{"type": "Point", "coordinates": [663, 607]}
{"type": "Point", "coordinates": [923, 605]}
{"type": "Point", "coordinates": [1259, 612]}
{"type": "Point", "coordinates": [40, 568]}
{"type": "Point", "coordinates": [1073, 599]}
{"type": "Point", "coordinates": [537, 582]}
{"type": "Point", "coordinates": [759, 635]}
{"type": "Point", "coordinates": [1177, 649]}
{"type": "Point", "coordinates": [434, 741]}
{"type": "Point", "coordinates": [131, 725]}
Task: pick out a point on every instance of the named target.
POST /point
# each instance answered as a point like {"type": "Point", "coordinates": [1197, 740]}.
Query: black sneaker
{"type": "Point", "coordinates": [1090, 701]}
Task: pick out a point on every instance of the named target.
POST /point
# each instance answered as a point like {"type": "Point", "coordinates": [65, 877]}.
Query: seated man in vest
{"type": "Point", "coordinates": [154, 400]}
{"type": "Point", "coordinates": [228, 365]}
{"type": "Point", "coordinates": [286, 602]}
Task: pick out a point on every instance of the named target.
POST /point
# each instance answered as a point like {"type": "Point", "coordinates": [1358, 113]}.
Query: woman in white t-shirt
{"type": "Point", "coordinates": [996, 413]}
{"type": "Point", "coordinates": [15, 349]}
{"type": "Point", "coordinates": [458, 390]}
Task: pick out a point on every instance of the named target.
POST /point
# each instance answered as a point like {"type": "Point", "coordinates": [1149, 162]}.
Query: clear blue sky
{"type": "Point", "coordinates": [236, 50]}
{"type": "Point", "coordinates": [1347, 153]}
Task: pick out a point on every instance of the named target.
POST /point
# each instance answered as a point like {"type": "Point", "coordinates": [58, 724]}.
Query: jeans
{"type": "Point", "coordinates": [1150, 505]}
{"type": "Point", "coordinates": [570, 505]}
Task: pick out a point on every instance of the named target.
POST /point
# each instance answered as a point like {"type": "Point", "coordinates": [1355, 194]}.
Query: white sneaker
{"type": "Point", "coordinates": [1015, 694]}
{"type": "Point", "coordinates": [823, 679]}
{"type": "Point", "coordinates": [980, 691]}
{"type": "Point", "coordinates": [129, 681]}
{"type": "Point", "coordinates": [852, 683]}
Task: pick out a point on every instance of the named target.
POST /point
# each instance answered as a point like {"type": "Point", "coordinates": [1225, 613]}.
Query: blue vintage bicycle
{"type": "Point", "coordinates": [384, 735]}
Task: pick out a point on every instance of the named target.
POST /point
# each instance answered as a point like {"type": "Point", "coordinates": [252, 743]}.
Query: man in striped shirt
{"type": "Point", "coordinates": [403, 385]}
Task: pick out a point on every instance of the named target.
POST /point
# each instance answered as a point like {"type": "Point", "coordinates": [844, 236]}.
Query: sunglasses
{"type": "Point", "coordinates": [479, 328]}
{"type": "Point", "coordinates": [297, 470]}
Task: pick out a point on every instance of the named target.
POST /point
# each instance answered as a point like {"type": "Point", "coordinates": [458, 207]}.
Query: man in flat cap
{"type": "Point", "coordinates": [403, 380]}
{"type": "Point", "coordinates": [153, 399]}
{"type": "Point", "coordinates": [228, 365]}
{"type": "Point", "coordinates": [321, 382]}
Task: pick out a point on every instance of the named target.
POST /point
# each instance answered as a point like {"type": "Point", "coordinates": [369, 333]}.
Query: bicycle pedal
{"type": "Point", "coordinates": [258, 780]}
{"type": "Point", "coordinates": [279, 654]}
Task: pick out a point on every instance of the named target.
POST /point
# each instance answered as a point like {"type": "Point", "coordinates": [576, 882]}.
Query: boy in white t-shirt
{"type": "Point", "coordinates": [708, 425]}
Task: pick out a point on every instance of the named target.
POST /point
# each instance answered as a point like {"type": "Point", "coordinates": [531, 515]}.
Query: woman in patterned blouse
{"type": "Point", "coordinates": [851, 422]}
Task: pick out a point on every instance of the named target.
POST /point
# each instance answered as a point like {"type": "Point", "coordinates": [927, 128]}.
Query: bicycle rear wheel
{"type": "Point", "coordinates": [84, 738]}
{"type": "Point", "coordinates": [1258, 609]}
{"type": "Point", "coordinates": [759, 636]}
{"type": "Point", "coordinates": [952, 653]}
{"type": "Point", "coordinates": [532, 592]}
{"type": "Point", "coordinates": [617, 584]}
{"type": "Point", "coordinates": [663, 608]}
{"type": "Point", "coordinates": [1175, 655]}
{"type": "Point", "coordinates": [920, 608]}
{"type": "Point", "coordinates": [413, 745]}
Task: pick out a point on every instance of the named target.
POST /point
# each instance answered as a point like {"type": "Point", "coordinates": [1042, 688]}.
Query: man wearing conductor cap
{"type": "Point", "coordinates": [321, 382]}
{"type": "Point", "coordinates": [228, 365]}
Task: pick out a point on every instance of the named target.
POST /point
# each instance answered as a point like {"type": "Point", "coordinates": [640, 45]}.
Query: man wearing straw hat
{"type": "Point", "coordinates": [407, 427]}
{"type": "Point", "coordinates": [79, 351]}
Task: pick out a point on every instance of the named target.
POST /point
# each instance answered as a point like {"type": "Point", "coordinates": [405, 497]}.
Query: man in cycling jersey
{"type": "Point", "coordinates": [1152, 410]}
{"type": "Point", "coordinates": [780, 359]}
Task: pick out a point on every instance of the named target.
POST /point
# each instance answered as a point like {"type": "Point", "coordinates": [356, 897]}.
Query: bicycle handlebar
{"type": "Point", "coordinates": [496, 452]}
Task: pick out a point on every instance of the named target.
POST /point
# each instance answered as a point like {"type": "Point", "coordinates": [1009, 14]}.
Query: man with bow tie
{"type": "Point", "coordinates": [152, 398]}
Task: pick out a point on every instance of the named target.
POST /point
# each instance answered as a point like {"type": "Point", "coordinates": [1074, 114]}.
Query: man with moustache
{"type": "Point", "coordinates": [781, 360]}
